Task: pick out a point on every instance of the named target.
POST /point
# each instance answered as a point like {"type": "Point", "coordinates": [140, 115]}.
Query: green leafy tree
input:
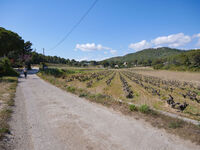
{"type": "Point", "coordinates": [10, 42]}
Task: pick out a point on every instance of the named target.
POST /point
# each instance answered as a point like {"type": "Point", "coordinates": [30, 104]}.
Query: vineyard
{"type": "Point", "coordinates": [175, 96]}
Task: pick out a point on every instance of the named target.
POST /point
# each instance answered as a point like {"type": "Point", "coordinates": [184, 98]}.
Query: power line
{"type": "Point", "coordinates": [76, 25]}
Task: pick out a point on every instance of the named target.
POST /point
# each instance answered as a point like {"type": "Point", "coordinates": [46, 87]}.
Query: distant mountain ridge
{"type": "Point", "coordinates": [150, 53]}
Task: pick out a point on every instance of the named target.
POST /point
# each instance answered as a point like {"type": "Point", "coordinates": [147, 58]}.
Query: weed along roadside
{"type": "Point", "coordinates": [100, 90]}
{"type": "Point", "coordinates": [7, 92]}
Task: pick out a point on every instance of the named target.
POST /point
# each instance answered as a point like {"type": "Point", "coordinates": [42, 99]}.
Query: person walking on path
{"type": "Point", "coordinates": [25, 72]}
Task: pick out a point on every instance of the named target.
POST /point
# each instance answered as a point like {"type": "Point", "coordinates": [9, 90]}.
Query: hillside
{"type": "Point", "coordinates": [151, 54]}
{"type": "Point", "coordinates": [186, 61]}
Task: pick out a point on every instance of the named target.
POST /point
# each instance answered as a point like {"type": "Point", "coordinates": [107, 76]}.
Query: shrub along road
{"type": "Point", "coordinates": [46, 117]}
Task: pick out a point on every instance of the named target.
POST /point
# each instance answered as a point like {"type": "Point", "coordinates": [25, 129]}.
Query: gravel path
{"type": "Point", "coordinates": [47, 118]}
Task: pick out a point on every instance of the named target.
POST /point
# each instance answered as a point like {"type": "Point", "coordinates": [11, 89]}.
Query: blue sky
{"type": "Point", "coordinates": [112, 28]}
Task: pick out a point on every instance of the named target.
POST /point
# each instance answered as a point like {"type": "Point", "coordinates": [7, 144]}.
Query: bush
{"type": "Point", "coordinates": [158, 66]}
{"type": "Point", "coordinates": [92, 96]}
{"type": "Point", "coordinates": [69, 71]}
{"type": "Point", "coordinates": [99, 98]}
{"type": "Point", "coordinates": [132, 107]}
{"type": "Point", "coordinates": [4, 130]}
{"type": "Point", "coordinates": [6, 69]}
{"type": "Point", "coordinates": [144, 108]}
{"type": "Point", "coordinates": [54, 72]}
{"type": "Point", "coordinates": [71, 89]}
{"type": "Point", "coordinates": [42, 66]}
{"type": "Point", "coordinates": [83, 95]}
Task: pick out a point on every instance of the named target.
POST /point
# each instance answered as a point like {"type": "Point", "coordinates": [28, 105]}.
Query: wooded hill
{"type": "Point", "coordinates": [160, 58]}
{"type": "Point", "coordinates": [147, 54]}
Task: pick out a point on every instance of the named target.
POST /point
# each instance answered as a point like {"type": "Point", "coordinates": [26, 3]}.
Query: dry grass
{"type": "Point", "coordinates": [99, 86]}
{"type": "Point", "coordinates": [115, 88]}
{"type": "Point", "coordinates": [7, 92]}
{"type": "Point", "coordinates": [172, 75]}
{"type": "Point", "coordinates": [140, 95]}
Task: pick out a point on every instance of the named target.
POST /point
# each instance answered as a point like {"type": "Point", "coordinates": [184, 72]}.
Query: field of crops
{"type": "Point", "coordinates": [172, 95]}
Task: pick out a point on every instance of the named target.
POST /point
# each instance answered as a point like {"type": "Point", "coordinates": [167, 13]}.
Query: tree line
{"type": "Point", "coordinates": [19, 53]}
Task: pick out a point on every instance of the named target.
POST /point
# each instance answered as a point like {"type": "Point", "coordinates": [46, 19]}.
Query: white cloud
{"type": "Point", "coordinates": [89, 58]}
{"type": "Point", "coordinates": [89, 47]}
{"type": "Point", "coordinates": [197, 36]}
{"type": "Point", "coordinates": [173, 40]}
{"type": "Point", "coordinates": [140, 45]}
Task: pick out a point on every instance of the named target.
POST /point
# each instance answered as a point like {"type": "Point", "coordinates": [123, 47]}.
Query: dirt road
{"type": "Point", "coordinates": [47, 118]}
